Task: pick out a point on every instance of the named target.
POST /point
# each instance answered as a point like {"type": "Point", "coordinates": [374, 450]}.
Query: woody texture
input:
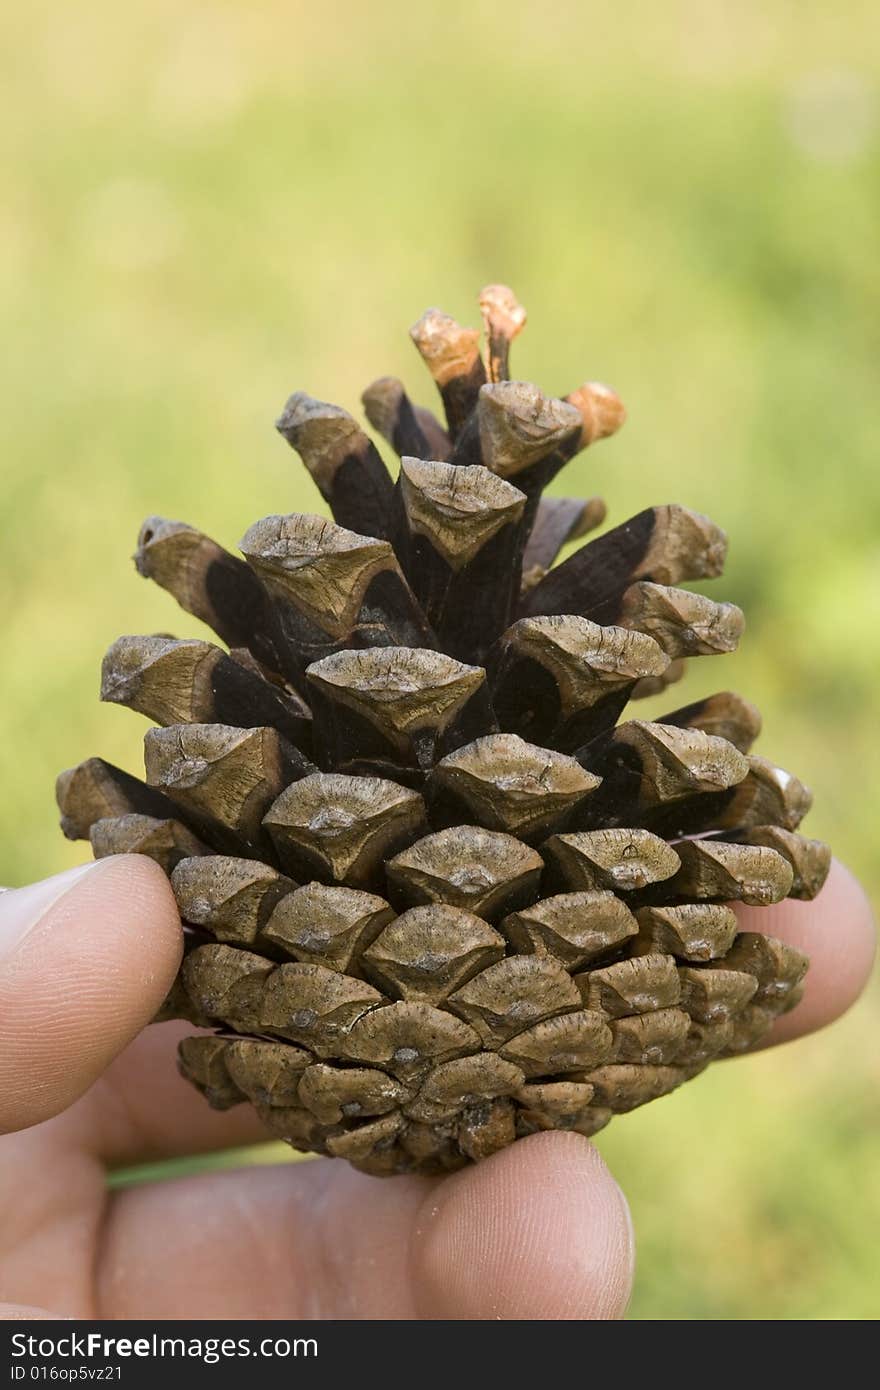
{"type": "Point", "coordinates": [441, 886]}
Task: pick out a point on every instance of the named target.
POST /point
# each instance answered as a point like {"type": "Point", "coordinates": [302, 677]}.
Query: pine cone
{"type": "Point", "coordinates": [436, 896]}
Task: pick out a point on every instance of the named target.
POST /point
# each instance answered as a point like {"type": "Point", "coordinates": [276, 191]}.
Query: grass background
{"type": "Point", "coordinates": [207, 205]}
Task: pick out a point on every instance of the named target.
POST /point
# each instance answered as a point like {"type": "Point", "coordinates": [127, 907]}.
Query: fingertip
{"type": "Point", "coordinates": [539, 1231]}
{"type": "Point", "coordinates": [836, 930]}
{"type": "Point", "coordinates": [90, 959]}
{"type": "Point", "coordinates": [134, 888]}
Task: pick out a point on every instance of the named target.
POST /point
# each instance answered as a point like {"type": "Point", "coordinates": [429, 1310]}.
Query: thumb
{"type": "Point", "coordinates": [86, 959]}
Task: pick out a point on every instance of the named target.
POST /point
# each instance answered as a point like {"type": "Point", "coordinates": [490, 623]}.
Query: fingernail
{"type": "Point", "coordinates": [22, 909]}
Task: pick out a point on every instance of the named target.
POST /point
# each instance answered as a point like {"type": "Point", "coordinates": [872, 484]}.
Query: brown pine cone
{"type": "Point", "coordinates": [436, 896]}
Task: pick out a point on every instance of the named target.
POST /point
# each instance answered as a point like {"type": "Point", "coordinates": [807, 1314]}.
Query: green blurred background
{"type": "Point", "coordinates": [208, 205]}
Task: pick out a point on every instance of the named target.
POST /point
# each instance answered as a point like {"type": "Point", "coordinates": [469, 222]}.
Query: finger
{"type": "Point", "coordinates": [538, 1231]}
{"type": "Point", "coordinates": [19, 1312]}
{"type": "Point", "coordinates": [541, 1230]}
{"type": "Point", "coordinates": [144, 1111]}
{"type": "Point", "coordinates": [836, 930]}
{"type": "Point", "coordinates": [85, 960]}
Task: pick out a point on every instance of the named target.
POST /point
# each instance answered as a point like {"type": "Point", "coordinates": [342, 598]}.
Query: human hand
{"type": "Point", "coordinates": [538, 1231]}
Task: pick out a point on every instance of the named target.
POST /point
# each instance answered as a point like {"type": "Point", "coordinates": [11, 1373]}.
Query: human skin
{"type": "Point", "coordinates": [538, 1231]}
